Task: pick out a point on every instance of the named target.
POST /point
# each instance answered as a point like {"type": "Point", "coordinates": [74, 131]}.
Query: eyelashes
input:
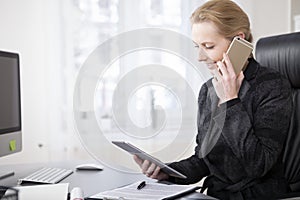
{"type": "Point", "coordinates": [206, 47]}
{"type": "Point", "coordinates": [209, 47]}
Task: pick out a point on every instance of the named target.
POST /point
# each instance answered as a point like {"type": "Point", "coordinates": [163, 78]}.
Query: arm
{"type": "Point", "coordinates": [193, 167]}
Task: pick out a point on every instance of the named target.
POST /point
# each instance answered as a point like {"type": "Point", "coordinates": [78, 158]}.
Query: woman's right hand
{"type": "Point", "coordinates": [150, 169]}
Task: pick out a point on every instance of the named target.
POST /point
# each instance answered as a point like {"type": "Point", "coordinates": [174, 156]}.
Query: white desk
{"type": "Point", "coordinates": [91, 182]}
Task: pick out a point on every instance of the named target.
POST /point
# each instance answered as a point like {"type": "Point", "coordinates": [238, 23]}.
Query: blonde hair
{"type": "Point", "coordinates": [228, 17]}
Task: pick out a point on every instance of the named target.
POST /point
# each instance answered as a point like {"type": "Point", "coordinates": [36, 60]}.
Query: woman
{"type": "Point", "coordinates": [242, 119]}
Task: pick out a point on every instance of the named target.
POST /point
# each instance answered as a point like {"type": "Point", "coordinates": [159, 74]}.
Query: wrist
{"type": "Point", "coordinates": [230, 98]}
{"type": "Point", "coordinates": [227, 100]}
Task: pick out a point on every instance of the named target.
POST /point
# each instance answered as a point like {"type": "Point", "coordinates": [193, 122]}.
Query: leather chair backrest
{"type": "Point", "coordinates": [282, 53]}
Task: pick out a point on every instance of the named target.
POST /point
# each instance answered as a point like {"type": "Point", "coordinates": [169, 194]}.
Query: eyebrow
{"type": "Point", "coordinates": [203, 43]}
{"type": "Point", "coordinates": [195, 42]}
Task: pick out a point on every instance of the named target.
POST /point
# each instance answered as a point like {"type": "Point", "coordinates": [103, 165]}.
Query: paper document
{"type": "Point", "coordinates": [150, 191]}
{"type": "Point", "coordinates": [44, 192]}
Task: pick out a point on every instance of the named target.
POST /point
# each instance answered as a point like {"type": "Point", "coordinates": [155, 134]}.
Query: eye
{"type": "Point", "coordinates": [209, 46]}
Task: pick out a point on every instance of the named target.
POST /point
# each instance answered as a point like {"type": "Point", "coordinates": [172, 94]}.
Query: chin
{"type": "Point", "coordinates": [211, 66]}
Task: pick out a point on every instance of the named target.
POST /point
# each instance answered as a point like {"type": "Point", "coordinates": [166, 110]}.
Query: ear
{"type": "Point", "coordinates": [241, 35]}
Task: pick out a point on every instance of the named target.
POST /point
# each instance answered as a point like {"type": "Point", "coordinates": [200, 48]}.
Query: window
{"type": "Point", "coordinates": [99, 20]}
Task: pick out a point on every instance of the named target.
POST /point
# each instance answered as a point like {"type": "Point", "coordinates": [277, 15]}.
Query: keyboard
{"type": "Point", "coordinates": [47, 175]}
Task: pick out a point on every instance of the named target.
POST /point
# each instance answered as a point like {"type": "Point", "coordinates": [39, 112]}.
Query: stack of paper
{"type": "Point", "coordinates": [150, 191]}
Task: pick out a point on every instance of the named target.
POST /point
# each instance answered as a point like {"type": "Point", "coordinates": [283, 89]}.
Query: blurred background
{"type": "Point", "coordinates": [55, 37]}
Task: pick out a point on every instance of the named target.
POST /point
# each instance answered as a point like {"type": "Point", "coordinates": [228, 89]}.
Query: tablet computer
{"type": "Point", "coordinates": [143, 155]}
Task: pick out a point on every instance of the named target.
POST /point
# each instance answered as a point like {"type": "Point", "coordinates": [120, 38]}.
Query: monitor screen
{"type": "Point", "coordinates": [10, 104]}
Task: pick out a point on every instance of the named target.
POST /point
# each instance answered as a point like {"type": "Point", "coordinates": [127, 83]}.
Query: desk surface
{"type": "Point", "coordinates": [91, 182]}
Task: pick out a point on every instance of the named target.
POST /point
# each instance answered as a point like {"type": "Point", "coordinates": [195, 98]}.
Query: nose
{"type": "Point", "coordinates": [202, 55]}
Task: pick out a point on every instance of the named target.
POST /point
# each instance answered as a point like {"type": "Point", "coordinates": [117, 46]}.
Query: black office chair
{"type": "Point", "coordinates": [282, 53]}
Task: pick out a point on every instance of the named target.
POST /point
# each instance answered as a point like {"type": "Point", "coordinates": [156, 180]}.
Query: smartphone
{"type": "Point", "coordinates": [238, 52]}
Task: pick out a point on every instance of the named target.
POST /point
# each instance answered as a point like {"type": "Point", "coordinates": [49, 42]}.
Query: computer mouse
{"type": "Point", "coordinates": [89, 166]}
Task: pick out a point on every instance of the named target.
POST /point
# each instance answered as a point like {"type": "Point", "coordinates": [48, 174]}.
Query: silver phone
{"type": "Point", "coordinates": [238, 52]}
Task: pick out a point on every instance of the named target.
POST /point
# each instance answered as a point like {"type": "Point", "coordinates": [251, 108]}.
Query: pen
{"type": "Point", "coordinates": [141, 185]}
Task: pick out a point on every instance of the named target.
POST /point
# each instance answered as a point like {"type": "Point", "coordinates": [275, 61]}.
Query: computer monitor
{"type": "Point", "coordinates": [10, 106]}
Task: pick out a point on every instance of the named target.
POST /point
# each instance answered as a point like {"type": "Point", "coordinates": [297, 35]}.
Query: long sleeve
{"type": "Point", "coordinates": [257, 139]}
{"type": "Point", "coordinates": [193, 167]}
{"type": "Point", "coordinates": [240, 142]}
{"type": "Point", "coordinates": [248, 134]}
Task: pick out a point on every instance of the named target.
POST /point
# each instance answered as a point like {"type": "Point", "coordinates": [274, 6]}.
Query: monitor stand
{"type": "Point", "coordinates": [5, 174]}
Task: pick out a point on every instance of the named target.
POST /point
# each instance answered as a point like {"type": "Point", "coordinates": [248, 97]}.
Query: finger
{"type": "Point", "coordinates": [146, 164]}
{"type": "Point", "coordinates": [138, 160]}
{"type": "Point", "coordinates": [151, 169]}
{"type": "Point", "coordinates": [240, 78]}
{"type": "Point", "coordinates": [228, 64]}
{"type": "Point", "coordinates": [222, 71]}
{"type": "Point", "coordinates": [217, 75]}
{"type": "Point", "coordinates": [156, 172]}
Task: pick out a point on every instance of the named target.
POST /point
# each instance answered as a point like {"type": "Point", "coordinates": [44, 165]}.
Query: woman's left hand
{"type": "Point", "coordinates": [226, 83]}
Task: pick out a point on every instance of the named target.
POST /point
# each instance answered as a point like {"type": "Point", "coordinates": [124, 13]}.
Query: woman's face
{"type": "Point", "coordinates": [210, 43]}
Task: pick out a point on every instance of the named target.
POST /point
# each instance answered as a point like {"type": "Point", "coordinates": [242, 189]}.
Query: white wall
{"type": "Point", "coordinates": [34, 28]}
{"type": "Point", "coordinates": [22, 31]}
{"type": "Point", "coordinates": [268, 17]}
